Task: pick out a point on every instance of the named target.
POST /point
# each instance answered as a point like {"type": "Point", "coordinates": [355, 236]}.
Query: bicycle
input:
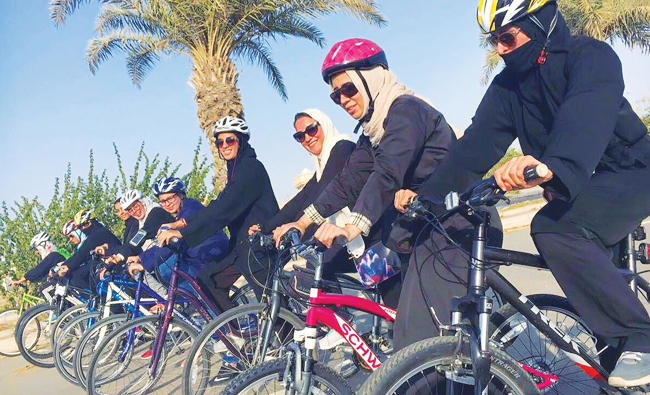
{"type": "Point", "coordinates": [34, 328]}
{"type": "Point", "coordinates": [258, 332]}
{"type": "Point", "coordinates": [164, 338]}
{"type": "Point", "coordinates": [9, 319]}
{"type": "Point", "coordinates": [471, 359]}
{"type": "Point", "coordinates": [296, 371]}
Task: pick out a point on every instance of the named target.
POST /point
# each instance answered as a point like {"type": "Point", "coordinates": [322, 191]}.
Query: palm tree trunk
{"type": "Point", "coordinates": [216, 94]}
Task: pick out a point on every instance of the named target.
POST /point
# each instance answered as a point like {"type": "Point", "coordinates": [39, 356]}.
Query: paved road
{"type": "Point", "coordinates": [19, 377]}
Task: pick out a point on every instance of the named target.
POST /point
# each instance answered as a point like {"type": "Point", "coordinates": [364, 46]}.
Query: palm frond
{"type": "Point", "coordinates": [139, 63]}
{"type": "Point", "coordinates": [113, 17]}
{"type": "Point", "coordinates": [363, 9]}
{"type": "Point", "coordinates": [492, 61]}
{"type": "Point", "coordinates": [61, 9]}
{"type": "Point", "coordinates": [257, 52]}
{"type": "Point", "coordinates": [102, 48]}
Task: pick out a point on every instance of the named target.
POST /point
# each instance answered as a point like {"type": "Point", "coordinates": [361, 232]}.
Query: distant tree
{"type": "Point", "coordinates": [212, 34]}
{"type": "Point", "coordinates": [605, 20]}
{"type": "Point", "coordinates": [511, 153]}
{"type": "Point", "coordinates": [20, 221]}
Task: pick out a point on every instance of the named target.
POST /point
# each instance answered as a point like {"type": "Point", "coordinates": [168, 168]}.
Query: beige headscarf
{"type": "Point", "coordinates": [385, 88]}
{"type": "Point", "coordinates": [331, 137]}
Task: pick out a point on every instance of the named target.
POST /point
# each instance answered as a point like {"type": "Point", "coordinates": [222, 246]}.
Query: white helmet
{"type": "Point", "coordinates": [230, 124]}
{"type": "Point", "coordinates": [40, 239]}
{"type": "Point", "coordinates": [129, 197]}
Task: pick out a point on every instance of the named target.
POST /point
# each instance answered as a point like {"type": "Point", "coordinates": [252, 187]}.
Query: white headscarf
{"type": "Point", "coordinates": [148, 206]}
{"type": "Point", "coordinates": [385, 88]}
{"type": "Point", "coordinates": [45, 249]}
{"type": "Point", "coordinates": [331, 137]}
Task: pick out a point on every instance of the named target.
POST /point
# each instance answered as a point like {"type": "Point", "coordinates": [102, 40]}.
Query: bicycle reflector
{"type": "Point", "coordinates": [643, 253]}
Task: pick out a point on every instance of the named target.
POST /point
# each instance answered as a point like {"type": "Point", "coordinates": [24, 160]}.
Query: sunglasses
{"type": "Point", "coordinates": [348, 90]}
{"type": "Point", "coordinates": [228, 141]}
{"type": "Point", "coordinates": [310, 130]}
{"type": "Point", "coordinates": [169, 200]}
{"type": "Point", "coordinates": [507, 38]}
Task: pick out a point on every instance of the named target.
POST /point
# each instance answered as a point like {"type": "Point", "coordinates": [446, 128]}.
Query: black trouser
{"type": "Point", "coordinates": [437, 271]}
{"type": "Point", "coordinates": [586, 273]}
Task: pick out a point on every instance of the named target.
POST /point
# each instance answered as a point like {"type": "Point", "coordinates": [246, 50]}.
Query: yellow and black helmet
{"type": "Point", "coordinates": [494, 14]}
{"type": "Point", "coordinates": [82, 217]}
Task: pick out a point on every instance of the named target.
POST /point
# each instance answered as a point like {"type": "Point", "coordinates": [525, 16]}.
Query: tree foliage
{"type": "Point", "coordinates": [511, 153]}
{"type": "Point", "coordinates": [20, 221]}
{"type": "Point", "coordinates": [213, 34]}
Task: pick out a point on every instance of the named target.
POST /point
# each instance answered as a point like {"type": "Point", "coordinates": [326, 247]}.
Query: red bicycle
{"type": "Point", "coordinates": [296, 371]}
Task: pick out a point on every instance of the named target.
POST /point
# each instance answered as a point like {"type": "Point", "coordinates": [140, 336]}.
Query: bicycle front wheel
{"type": "Point", "coordinates": [8, 321]}
{"type": "Point", "coordinates": [212, 364]}
{"type": "Point", "coordinates": [268, 378]}
{"type": "Point", "coordinates": [67, 341]}
{"type": "Point", "coordinates": [122, 363]}
{"type": "Point", "coordinates": [33, 335]}
{"type": "Point", "coordinates": [437, 366]}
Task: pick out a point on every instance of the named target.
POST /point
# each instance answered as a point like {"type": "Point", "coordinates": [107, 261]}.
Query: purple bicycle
{"type": "Point", "coordinates": [149, 353]}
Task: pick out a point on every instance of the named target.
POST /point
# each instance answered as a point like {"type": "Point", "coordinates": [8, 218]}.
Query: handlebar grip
{"type": "Point", "coordinates": [339, 241]}
{"type": "Point", "coordinates": [533, 172]}
{"type": "Point", "coordinates": [292, 237]}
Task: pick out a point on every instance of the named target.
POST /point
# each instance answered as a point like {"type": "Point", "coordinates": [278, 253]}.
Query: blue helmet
{"type": "Point", "coordinates": [169, 184]}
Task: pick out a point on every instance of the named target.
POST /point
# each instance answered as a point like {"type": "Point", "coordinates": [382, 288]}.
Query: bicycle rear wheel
{"type": "Point", "coordinates": [439, 366]}
{"type": "Point", "coordinates": [510, 330]}
{"type": "Point", "coordinates": [33, 335]}
{"type": "Point", "coordinates": [8, 321]}
{"type": "Point", "coordinates": [121, 364]}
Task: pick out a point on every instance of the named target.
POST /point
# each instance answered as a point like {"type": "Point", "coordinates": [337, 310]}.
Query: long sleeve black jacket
{"type": "Point", "coordinates": [573, 118]}
{"type": "Point", "coordinates": [416, 139]}
{"type": "Point", "coordinates": [40, 271]}
{"type": "Point", "coordinates": [294, 208]}
{"type": "Point", "coordinates": [96, 235]}
{"type": "Point", "coordinates": [246, 199]}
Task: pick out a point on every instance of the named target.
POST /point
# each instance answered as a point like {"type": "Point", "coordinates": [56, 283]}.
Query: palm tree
{"type": "Point", "coordinates": [212, 34]}
{"type": "Point", "coordinates": [606, 20]}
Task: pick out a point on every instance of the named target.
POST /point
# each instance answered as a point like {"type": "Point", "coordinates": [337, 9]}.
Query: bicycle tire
{"type": "Point", "coordinates": [97, 385]}
{"type": "Point", "coordinates": [41, 359]}
{"type": "Point", "coordinates": [206, 334]}
{"type": "Point", "coordinates": [420, 363]}
{"type": "Point", "coordinates": [67, 342]}
{"type": "Point", "coordinates": [90, 341]}
{"type": "Point", "coordinates": [8, 321]}
{"type": "Point", "coordinates": [321, 375]}
{"type": "Point", "coordinates": [531, 348]}
{"type": "Point", "coordinates": [64, 318]}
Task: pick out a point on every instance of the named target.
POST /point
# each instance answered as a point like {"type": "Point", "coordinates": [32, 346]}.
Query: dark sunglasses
{"type": "Point", "coordinates": [348, 90]}
{"type": "Point", "coordinates": [310, 130]}
{"type": "Point", "coordinates": [228, 141]}
{"type": "Point", "coordinates": [507, 39]}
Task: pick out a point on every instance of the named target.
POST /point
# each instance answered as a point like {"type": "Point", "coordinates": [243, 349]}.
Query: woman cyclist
{"type": "Point", "coordinates": [329, 150]}
{"type": "Point", "coordinates": [562, 97]}
{"type": "Point", "coordinates": [246, 199]}
{"type": "Point", "coordinates": [404, 138]}
{"type": "Point", "coordinates": [50, 257]}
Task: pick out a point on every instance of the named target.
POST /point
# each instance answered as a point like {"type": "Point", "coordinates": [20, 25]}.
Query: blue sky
{"type": "Point", "coordinates": [53, 110]}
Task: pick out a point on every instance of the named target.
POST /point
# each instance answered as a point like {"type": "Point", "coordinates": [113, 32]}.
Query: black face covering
{"type": "Point", "coordinates": [523, 59]}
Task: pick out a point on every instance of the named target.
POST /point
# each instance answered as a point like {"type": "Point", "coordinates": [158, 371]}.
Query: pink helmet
{"type": "Point", "coordinates": [353, 53]}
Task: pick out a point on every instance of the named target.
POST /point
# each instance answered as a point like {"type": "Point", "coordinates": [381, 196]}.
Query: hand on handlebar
{"type": "Point", "coordinates": [328, 232]}
{"type": "Point", "coordinates": [402, 198]}
{"type": "Point", "coordinates": [166, 236]}
{"type": "Point", "coordinates": [133, 259]}
{"type": "Point", "coordinates": [282, 229]}
{"type": "Point", "coordinates": [135, 267]}
{"type": "Point", "coordinates": [254, 228]}
{"type": "Point", "coordinates": [63, 270]}
{"type": "Point", "coordinates": [510, 175]}
{"type": "Point", "coordinates": [101, 249]}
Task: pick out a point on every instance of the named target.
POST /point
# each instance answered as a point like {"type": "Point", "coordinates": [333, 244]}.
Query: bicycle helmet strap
{"type": "Point", "coordinates": [371, 103]}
